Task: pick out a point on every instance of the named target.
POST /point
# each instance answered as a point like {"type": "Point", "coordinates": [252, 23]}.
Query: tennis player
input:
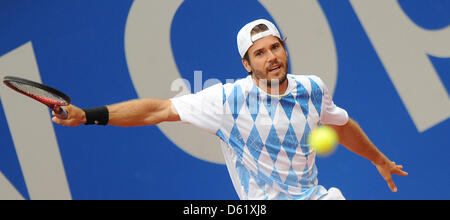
{"type": "Point", "coordinates": [262, 121]}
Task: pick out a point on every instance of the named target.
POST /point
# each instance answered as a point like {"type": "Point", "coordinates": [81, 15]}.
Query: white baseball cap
{"type": "Point", "coordinates": [245, 39]}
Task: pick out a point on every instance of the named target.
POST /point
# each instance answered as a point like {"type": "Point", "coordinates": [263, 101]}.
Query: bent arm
{"type": "Point", "coordinates": [353, 138]}
{"type": "Point", "coordinates": [138, 112]}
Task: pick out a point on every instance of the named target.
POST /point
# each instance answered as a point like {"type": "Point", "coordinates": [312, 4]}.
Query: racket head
{"type": "Point", "coordinates": [41, 93]}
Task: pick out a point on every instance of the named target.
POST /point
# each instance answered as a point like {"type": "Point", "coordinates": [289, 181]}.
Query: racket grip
{"type": "Point", "coordinates": [61, 113]}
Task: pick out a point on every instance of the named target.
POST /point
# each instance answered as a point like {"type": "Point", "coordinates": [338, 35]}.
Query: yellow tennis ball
{"type": "Point", "coordinates": [323, 140]}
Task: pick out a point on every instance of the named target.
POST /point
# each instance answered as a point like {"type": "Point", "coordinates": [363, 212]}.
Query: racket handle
{"type": "Point", "coordinates": [60, 112]}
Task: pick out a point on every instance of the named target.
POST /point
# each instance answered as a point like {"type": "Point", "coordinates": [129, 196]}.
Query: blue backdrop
{"type": "Point", "coordinates": [79, 46]}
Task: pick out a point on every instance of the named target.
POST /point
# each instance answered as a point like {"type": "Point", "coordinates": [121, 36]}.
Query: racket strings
{"type": "Point", "coordinates": [38, 93]}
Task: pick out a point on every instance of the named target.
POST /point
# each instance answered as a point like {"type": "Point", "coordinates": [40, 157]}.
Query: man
{"type": "Point", "coordinates": [262, 120]}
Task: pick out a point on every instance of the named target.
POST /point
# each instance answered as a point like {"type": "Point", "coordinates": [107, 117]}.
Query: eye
{"type": "Point", "coordinates": [275, 46]}
{"type": "Point", "coordinates": [259, 53]}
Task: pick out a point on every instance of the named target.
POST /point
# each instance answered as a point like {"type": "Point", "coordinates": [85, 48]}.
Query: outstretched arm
{"type": "Point", "coordinates": [137, 112]}
{"type": "Point", "coordinates": [353, 137]}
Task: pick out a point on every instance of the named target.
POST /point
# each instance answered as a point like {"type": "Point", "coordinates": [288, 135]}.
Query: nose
{"type": "Point", "coordinates": [271, 57]}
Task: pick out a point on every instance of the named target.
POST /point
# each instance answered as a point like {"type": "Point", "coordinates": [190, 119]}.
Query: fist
{"type": "Point", "coordinates": [76, 116]}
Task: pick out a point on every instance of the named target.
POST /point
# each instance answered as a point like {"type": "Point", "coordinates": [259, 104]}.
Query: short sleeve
{"type": "Point", "coordinates": [203, 109]}
{"type": "Point", "coordinates": [330, 113]}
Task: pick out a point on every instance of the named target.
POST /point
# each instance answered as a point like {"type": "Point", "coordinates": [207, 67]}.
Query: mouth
{"type": "Point", "coordinates": [275, 68]}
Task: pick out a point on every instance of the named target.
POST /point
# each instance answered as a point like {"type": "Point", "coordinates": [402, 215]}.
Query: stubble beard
{"type": "Point", "coordinates": [271, 83]}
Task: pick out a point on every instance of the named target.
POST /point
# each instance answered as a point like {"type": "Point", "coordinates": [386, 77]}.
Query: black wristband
{"type": "Point", "coordinates": [97, 116]}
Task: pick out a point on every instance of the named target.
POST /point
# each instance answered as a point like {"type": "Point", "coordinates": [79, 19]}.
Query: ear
{"type": "Point", "coordinates": [246, 65]}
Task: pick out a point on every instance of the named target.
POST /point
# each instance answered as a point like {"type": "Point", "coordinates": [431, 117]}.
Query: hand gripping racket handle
{"type": "Point", "coordinates": [60, 112]}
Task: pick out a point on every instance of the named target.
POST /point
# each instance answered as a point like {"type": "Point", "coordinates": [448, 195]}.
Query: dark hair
{"type": "Point", "coordinates": [256, 30]}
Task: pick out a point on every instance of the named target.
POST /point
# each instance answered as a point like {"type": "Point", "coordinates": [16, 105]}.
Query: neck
{"type": "Point", "coordinates": [272, 87]}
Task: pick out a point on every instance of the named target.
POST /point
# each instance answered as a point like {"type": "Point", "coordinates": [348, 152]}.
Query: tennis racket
{"type": "Point", "coordinates": [48, 96]}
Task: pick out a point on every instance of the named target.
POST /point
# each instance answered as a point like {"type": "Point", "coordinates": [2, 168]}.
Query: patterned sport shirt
{"type": "Point", "coordinates": [264, 136]}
